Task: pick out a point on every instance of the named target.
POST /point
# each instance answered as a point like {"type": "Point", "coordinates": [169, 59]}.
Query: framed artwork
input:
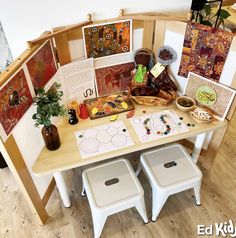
{"type": "Point", "coordinates": [113, 79]}
{"type": "Point", "coordinates": [107, 39]}
{"type": "Point", "coordinates": [215, 96]}
{"type": "Point", "coordinates": [204, 51]}
{"type": "Point", "coordinates": [42, 66]}
{"type": "Point", "coordinates": [15, 99]}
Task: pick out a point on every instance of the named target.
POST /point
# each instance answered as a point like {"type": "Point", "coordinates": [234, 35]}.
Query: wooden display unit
{"type": "Point", "coordinates": [154, 27]}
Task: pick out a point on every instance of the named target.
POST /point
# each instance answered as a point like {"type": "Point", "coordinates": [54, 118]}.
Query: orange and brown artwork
{"type": "Point", "coordinates": [15, 99]}
{"type": "Point", "coordinates": [42, 66]}
{"type": "Point", "coordinates": [107, 39]}
{"type": "Point", "coordinates": [204, 51]}
{"type": "Point", "coordinates": [113, 79]}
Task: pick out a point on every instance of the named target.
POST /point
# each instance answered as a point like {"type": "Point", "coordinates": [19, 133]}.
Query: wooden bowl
{"type": "Point", "coordinates": [185, 103]}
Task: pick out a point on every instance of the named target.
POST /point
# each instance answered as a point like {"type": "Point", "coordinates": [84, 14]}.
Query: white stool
{"type": "Point", "coordinates": [111, 188]}
{"type": "Point", "coordinates": [169, 170]}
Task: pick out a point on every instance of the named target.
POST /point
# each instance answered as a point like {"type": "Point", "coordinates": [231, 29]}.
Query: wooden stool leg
{"type": "Point", "coordinates": [140, 206]}
{"type": "Point", "coordinates": [158, 201]}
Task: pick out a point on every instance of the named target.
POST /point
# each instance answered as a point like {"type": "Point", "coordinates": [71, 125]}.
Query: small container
{"type": "Point", "coordinates": [83, 111]}
{"type": "Point", "coordinates": [185, 103]}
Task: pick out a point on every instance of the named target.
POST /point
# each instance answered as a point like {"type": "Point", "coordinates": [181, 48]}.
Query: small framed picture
{"type": "Point", "coordinates": [217, 97]}
{"type": "Point", "coordinates": [107, 39]}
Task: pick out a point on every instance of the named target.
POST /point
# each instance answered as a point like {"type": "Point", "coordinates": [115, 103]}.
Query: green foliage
{"type": "Point", "coordinates": [206, 17]}
{"type": "Point", "coordinates": [48, 105]}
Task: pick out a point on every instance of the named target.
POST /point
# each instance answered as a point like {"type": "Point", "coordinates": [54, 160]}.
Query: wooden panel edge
{"type": "Point", "coordinates": [22, 176]}
{"type": "Point", "coordinates": [48, 192]}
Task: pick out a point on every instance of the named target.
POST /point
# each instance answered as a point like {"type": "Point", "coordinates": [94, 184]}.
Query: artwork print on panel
{"type": "Point", "coordinates": [113, 79]}
{"type": "Point", "coordinates": [41, 66]}
{"type": "Point", "coordinates": [15, 99]}
{"type": "Point", "coordinates": [107, 39]}
{"type": "Point", "coordinates": [204, 51]}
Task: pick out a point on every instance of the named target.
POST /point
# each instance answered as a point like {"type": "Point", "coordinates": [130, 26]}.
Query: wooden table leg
{"type": "Point", "coordinates": [198, 146]}
{"type": "Point", "coordinates": [61, 185]}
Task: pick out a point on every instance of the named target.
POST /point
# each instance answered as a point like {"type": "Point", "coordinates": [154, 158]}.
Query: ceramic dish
{"type": "Point", "coordinates": [185, 103]}
{"type": "Point", "coordinates": [201, 115]}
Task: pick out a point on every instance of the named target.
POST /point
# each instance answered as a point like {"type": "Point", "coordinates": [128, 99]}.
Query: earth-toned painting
{"type": "Point", "coordinates": [204, 51]}
{"type": "Point", "coordinates": [15, 99]}
{"type": "Point", "coordinates": [41, 66]}
{"type": "Point", "coordinates": [113, 79]}
{"type": "Point", "coordinates": [107, 39]}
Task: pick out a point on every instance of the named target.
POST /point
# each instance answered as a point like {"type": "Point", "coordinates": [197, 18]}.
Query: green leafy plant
{"type": "Point", "coordinates": [209, 18]}
{"type": "Point", "coordinates": [48, 105]}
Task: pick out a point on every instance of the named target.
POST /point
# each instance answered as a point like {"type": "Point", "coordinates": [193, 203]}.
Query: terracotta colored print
{"type": "Point", "coordinates": [42, 66]}
{"type": "Point", "coordinates": [15, 99]}
{"type": "Point", "coordinates": [107, 39]}
{"type": "Point", "coordinates": [204, 51]}
{"type": "Point", "coordinates": [113, 79]}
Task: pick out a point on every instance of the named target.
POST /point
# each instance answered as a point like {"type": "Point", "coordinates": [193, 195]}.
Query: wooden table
{"type": "Point", "coordinates": [68, 155]}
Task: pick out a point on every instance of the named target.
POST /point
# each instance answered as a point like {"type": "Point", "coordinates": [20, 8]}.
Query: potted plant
{"type": "Point", "coordinates": [48, 106]}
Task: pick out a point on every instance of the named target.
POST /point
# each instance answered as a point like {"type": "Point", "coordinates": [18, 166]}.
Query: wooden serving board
{"type": "Point", "coordinates": [108, 105]}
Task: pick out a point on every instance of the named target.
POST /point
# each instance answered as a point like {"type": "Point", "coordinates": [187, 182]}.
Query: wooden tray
{"type": "Point", "coordinates": [108, 105]}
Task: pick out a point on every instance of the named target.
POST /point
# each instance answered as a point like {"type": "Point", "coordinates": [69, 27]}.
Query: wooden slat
{"type": "Point", "coordinates": [48, 192]}
{"type": "Point", "coordinates": [159, 36]}
{"type": "Point", "coordinates": [63, 51]}
{"type": "Point", "coordinates": [56, 33]}
{"type": "Point", "coordinates": [18, 167]}
{"type": "Point", "coordinates": [148, 34]}
{"type": "Point", "coordinates": [161, 17]}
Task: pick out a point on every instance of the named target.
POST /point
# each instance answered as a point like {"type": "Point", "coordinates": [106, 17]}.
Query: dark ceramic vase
{"type": "Point", "coordinates": [51, 137]}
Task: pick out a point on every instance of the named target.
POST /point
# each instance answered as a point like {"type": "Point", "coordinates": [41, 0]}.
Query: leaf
{"type": "Point", "coordinates": [207, 23]}
{"type": "Point", "coordinates": [224, 14]}
{"type": "Point", "coordinates": [200, 18]}
{"type": "Point", "coordinates": [207, 9]}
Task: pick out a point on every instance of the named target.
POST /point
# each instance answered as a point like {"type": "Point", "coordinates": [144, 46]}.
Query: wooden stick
{"type": "Point", "coordinates": [154, 17]}
{"type": "Point", "coordinates": [52, 34]}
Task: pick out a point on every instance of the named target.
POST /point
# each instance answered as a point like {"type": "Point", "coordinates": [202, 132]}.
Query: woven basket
{"type": "Point", "coordinates": [162, 100]}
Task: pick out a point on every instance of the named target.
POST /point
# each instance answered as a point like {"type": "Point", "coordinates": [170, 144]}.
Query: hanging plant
{"type": "Point", "coordinates": [207, 17]}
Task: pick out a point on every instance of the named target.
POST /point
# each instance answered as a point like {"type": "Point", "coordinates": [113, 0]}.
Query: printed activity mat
{"type": "Point", "coordinates": [157, 125]}
{"type": "Point", "coordinates": [108, 105]}
{"type": "Point", "coordinates": [102, 139]}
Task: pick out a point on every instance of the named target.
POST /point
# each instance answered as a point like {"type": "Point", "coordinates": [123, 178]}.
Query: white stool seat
{"type": "Point", "coordinates": [111, 188]}
{"type": "Point", "coordinates": [169, 170]}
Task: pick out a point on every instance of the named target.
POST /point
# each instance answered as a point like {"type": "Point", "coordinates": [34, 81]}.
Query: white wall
{"type": "Point", "coordinates": [25, 20]}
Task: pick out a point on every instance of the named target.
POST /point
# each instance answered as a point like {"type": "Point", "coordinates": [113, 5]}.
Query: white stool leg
{"type": "Point", "coordinates": [158, 200]}
{"type": "Point", "coordinates": [140, 206]}
{"type": "Point", "coordinates": [83, 190]}
{"type": "Point", "coordinates": [61, 185]}
{"type": "Point", "coordinates": [197, 188]}
{"type": "Point", "coordinates": [138, 169]}
{"type": "Point", "coordinates": [98, 223]}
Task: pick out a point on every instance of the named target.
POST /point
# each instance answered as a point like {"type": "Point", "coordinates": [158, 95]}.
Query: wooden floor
{"type": "Point", "coordinates": [178, 218]}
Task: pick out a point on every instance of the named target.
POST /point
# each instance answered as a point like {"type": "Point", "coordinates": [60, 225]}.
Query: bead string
{"type": "Point", "coordinates": [163, 120]}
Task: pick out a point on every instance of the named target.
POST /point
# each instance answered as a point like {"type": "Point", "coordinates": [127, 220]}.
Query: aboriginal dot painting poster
{"type": "Point", "coordinates": [204, 51]}
{"type": "Point", "coordinates": [42, 66]}
{"type": "Point", "coordinates": [108, 39]}
{"type": "Point", "coordinates": [113, 79]}
{"type": "Point", "coordinates": [15, 99]}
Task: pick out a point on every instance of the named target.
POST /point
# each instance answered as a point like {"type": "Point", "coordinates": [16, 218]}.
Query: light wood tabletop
{"type": "Point", "coordinates": [68, 155]}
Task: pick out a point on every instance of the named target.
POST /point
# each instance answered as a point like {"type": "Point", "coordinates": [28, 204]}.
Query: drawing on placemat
{"type": "Point", "coordinates": [102, 139]}
{"type": "Point", "coordinates": [157, 125]}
